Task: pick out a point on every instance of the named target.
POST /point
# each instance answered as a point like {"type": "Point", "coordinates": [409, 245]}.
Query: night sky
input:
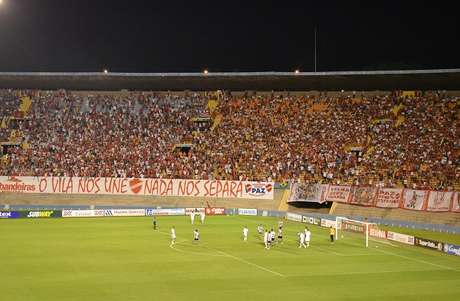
{"type": "Point", "coordinates": [174, 36]}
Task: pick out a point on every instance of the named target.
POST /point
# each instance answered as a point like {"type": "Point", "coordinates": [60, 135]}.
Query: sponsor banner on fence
{"type": "Point", "coordinates": [314, 193]}
{"type": "Point", "coordinates": [124, 212]}
{"type": "Point", "coordinates": [402, 238]}
{"type": "Point", "coordinates": [440, 200]}
{"type": "Point", "coordinates": [328, 223]}
{"type": "Point", "coordinates": [337, 193]}
{"type": "Point", "coordinates": [294, 217]}
{"type": "Point", "coordinates": [428, 243]}
{"type": "Point", "coordinates": [311, 220]}
{"type": "Point", "coordinates": [135, 186]}
{"type": "Point", "coordinates": [10, 214]}
{"type": "Point", "coordinates": [245, 211]}
{"type": "Point", "coordinates": [83, 213]}
{"type": "Point", "coordinates": [414, 199]}
{"type": "Point", "coordinates": [389, 197]}
{"type": "Point", "coordinates": [353, 226]}
{"type": "Point", "coordinates": [214, 211]}
{"type": "Point", "coordinates": [452, 249]}
{"type": "Point", "coordinates": [378, 233]}
{"type": "Point", "coordinates": [189, 211]}
{"type": "Point", "coordinates": [165, 211]}
{"type": "Point", "coordinates": [363, 195]}
{"type": "Point", "coordinates": [456, 202]}
{"type": "Point", "coordinates": [41, 213]}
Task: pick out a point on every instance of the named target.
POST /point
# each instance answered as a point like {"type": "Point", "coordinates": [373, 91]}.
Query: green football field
{"type": "Point", "coordinates": [125, 259]}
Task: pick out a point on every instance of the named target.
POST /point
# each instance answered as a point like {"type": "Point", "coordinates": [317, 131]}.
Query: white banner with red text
{"type": "Point", "coordinates": [389, 197]}
{"type": "Point", "coordinates": [363, 195]}
{"type": "Point", "coordinates": [456, 202]}
{"type": "Point", "coordinates": [314, 193]}
{"type": "Point", "coordinates": [336, 193]}
{"type": "Point", "coordinates": [440, 201]}
{"type": "Point", "coordinates": [414, 199]}
{"type": "Point", "coordinates": [141, 187]}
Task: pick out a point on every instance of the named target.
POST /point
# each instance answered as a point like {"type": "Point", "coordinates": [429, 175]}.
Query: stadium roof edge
{"type": "Point", "coordinates": [433, 79]}
{"type": "Point", "coordinates": [236, 74]}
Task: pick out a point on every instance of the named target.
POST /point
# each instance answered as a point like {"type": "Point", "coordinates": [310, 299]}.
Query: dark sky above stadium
{"type": "Point", "coordinates": [172, 36]}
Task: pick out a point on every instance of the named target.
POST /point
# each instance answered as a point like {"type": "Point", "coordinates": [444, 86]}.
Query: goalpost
{"type": "Point", "coordinates": [346, 224]}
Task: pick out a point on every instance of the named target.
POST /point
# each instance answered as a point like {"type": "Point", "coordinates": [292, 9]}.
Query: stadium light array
{"type": "Point", "coordinates": [105, 70]}
{"type": "Point", "coordinates": [297, 71]}
{"type": "Point", "coordinates": [205, 71]}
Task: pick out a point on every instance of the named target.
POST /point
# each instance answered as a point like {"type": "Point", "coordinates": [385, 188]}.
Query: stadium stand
{"type": "Point", "coordinates": [386, 140]}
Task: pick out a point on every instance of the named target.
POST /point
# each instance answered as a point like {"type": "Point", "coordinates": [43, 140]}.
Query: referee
{"type": "Point", "coordinates": [331, 234]}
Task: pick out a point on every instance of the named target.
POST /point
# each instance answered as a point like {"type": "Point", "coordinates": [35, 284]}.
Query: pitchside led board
{"type": "Point", "coordinates": [31, 214]}
{"type": "Point", "coordinates": [144, 187]}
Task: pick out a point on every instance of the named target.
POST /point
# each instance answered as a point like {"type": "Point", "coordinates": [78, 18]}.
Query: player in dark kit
{"type": "Point", "coordinates": [154, 223]}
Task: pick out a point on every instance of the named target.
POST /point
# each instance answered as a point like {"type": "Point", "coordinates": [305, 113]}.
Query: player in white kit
{"type": "Point", "coordinates": [173, 236]}
{"type": "Point", "coordinates": [245, 233]}
{"type": "Point", "coordinates": [260, 229]}
{"type": "Point", "coordinates": [192, 217]}
{"type": "Point", "coordinates": [196, 236]}
{"type": "Point", "coordinates": [202, 217]}
{"type": "Point", "coordinates": [272, 236]}
{"type": "Point", "coordinates": [307, 236]}
{"type": "Point", "coordinates": [266, 240]}
{"type": "Point", "coordinates": [302, 240]}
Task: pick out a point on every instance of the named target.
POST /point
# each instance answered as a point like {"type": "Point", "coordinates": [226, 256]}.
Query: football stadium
{"type": "Point", "coordinates": [205, 185]}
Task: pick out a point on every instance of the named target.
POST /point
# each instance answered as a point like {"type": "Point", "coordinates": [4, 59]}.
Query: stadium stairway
{"type": "Point", "coordinates": [421, 217]}
{"type": "Point", "coordinates": [283, 203]}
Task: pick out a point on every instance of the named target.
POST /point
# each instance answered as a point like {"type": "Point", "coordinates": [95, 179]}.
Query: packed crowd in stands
{"type": "Point", "coordinates": [367, 140]}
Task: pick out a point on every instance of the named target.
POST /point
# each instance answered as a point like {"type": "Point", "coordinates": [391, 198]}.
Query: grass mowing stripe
{"type": "Point", "coordinates": [251, 263]}
{"type": "Point", "coordinates": [418, 260]}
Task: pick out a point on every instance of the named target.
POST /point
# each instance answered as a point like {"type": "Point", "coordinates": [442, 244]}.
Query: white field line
{"type": "Point", "coordinates": [251, 263]}
{"type": "Point", "coordinates": [383, 242]}
{"type": "Point", "coordinates": [418, 260]}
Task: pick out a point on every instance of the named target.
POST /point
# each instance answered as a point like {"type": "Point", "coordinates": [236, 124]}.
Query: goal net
{"type": "Point", "coordinates": [344, 224]}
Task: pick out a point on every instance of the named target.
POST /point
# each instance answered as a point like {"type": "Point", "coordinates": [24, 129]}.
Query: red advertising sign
{"type": "Point", "coordinates": [215, 211]}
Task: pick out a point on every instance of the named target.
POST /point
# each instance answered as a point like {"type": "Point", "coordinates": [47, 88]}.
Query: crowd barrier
{"type": "Point", "coordinates": [314, 219]}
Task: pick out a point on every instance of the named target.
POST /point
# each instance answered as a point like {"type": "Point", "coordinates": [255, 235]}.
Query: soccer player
{"type": "Point", "coordinates": [245, 233]}
{"type": "Point", "coordinates": [266, 240]}
{"type": "Point", "coordinates": [272, 236]}
{"type": "Point", "coordinates": [307, 236]}
{"type": "Point", "coordinates": [154, 222]}
{"type": "Point", "coordinates": [280, 234]}
{"type": "Point", "coordinates": [280, 224]}
{"type": "Point", "coordinates": [260, 229]}
{"type": "Point", "coordinates": [192, 217]}
{"type": "Point", "coordinates": [302, 240]}
{"type": "Point", "coordinates": [196, 236]}
{"type": "Point", "coordinates": [331, 234]}
{"type": "Point", "coordinates": [202, 217]}
{"type": "Point", "coordinates": [173, 236]}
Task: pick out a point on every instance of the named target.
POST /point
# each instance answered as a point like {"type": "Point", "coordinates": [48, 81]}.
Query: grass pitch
{"type": "Point", "coordinates": [125, 259]}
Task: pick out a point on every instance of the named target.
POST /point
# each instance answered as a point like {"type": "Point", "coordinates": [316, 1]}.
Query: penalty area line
{"type": "Point", "coordinates": [418, 260]}
{"type": "Point", "coordinates": [251, 263]}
